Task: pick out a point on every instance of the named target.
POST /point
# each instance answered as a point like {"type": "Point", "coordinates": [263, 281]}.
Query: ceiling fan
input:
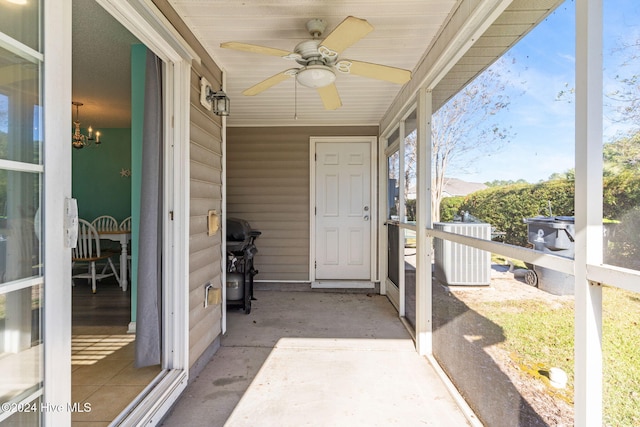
{"type": "Point", "coordinates": [320, 60]}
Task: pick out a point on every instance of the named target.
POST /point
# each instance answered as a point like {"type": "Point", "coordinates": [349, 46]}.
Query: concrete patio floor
{"type": "Point", "coordinates": [316, 359]}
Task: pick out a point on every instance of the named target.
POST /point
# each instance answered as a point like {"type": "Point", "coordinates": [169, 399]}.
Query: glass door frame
{"type": "Point", "coordinates": [391, 143]}
{"type": "Point", "coordinates": [148, 24]}
{"type": "Point", "coordinates": [56, 98]}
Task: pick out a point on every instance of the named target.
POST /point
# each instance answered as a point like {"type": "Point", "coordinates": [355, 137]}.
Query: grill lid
{"type": "Point", "coordinates": [238, 230]}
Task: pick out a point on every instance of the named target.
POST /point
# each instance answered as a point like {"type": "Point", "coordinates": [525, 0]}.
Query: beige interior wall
{"type": "Point", "coordinates": [268, 185]}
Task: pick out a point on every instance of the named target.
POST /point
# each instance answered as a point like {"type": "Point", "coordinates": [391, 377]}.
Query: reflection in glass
{"type": "Point", "coordinates": [20, 343]}
{"type": "Point", "coordinates": [410, 276]}
{"type": "Point", "coordinates": [20, 20]}
{"type": "Point", "coordinates": [393, 189]}
{"type": "Point", "coordinates": [19, 225]}
{"type": "Point", "coordinates": [393, 243]}
{"type": "Point", "coordinates": [410, 176]}
{"type": "Point", "coordinates": [20, 138]}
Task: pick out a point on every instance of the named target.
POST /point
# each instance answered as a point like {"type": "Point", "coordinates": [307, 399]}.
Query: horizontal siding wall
{"type": "Point", "coordinates": [268, 185]}
{"type": "Point", "coordinates": [205, 190]}
{"type": "Point", "coordinates": [205, 252]}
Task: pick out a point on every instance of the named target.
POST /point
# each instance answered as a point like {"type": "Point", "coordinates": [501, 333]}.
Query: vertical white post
{"type": "Point", "coordinates": [383, 177]}
{"type": "Point", "coordinates": [588, 208]}
{"type": "Point", "coordinates": [57, 186]}
{"type": "Point", "coordinates": [401, 215]}
{"type": "Point", "coordinates": [424, 324]}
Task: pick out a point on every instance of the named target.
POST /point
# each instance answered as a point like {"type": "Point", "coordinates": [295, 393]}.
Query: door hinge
{"type": "Point", "coordinates": [315, 155]}
{"type": "Point", "coordinates": [171, 215]}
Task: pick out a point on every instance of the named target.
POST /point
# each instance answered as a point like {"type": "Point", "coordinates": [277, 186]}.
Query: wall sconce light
{"type": "Point", "coordinates": [218, 102]}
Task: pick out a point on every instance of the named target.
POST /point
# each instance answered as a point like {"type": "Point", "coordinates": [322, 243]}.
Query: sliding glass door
{"type": "Point", "coordinates": [401, 187]}
{"type": "Point", "coordinates": [21, 173]}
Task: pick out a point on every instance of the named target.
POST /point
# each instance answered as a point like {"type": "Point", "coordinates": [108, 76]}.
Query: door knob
{"type": "Point", "coordinates": [366, 217]}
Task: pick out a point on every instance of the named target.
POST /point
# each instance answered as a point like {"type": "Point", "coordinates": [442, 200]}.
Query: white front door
{"type": "Point", "coordinates": [343, 211]}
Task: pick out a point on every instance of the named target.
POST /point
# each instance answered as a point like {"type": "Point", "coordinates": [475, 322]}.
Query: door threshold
{"type": "Point", "coordinates": [342, 284]}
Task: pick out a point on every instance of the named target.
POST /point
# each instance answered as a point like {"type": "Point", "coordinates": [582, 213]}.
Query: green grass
{"type": "Point", "coordinates": [539, 337]}
{"type": "Point", "coordinates": [621, 357]}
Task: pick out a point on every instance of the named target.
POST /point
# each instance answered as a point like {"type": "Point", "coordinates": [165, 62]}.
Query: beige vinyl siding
{"type": "Point", "coordinates": [205, 190]}
{"type": "Point", "coordinates": [205, 252]}
{"type": "Point", "coordinates": [268, 185]}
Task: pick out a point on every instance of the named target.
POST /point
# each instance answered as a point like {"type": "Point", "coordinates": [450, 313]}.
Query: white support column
{"type": "Point", "coordinates": [588, 208]}
{"type": "Point", "coordinates": [382, 215]}
{"type": "Point", "coordinates": [424, 253]}
{"type": "Point", "coordinates": [402, 212]}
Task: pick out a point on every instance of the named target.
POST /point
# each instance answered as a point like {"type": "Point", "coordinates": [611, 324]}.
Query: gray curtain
{"type": "Point", "coordinates": [149, 308]}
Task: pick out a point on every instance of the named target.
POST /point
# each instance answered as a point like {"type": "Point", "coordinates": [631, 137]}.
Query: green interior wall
{"type": "Point", "coordinates": [97, 182]}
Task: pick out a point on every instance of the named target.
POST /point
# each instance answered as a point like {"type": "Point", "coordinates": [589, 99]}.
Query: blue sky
{"type": "Point", "coordinates": [543, 65]}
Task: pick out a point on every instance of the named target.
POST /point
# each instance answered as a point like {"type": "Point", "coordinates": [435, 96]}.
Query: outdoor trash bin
{"type": "Point", "coordinates": [554, 235]}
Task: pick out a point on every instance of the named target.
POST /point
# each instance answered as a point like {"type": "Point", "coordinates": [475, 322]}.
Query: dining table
{"type": "Point", "coordinates": [123, 237]}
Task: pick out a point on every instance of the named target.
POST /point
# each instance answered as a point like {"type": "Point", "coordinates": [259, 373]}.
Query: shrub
{"type": "Point", "coordinates": [506, 207]}
{"type": "Point", "coordinates": [449, 207]}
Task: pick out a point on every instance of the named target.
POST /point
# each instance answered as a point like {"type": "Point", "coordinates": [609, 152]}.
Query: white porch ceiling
{"type": "Point", "coordinates": [403, 30]}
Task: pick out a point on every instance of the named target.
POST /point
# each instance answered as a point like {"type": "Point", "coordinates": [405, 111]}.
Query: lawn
{"type": "Point", "coordinates": [541, 336]}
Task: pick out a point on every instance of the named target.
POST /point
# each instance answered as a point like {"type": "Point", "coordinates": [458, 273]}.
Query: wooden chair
{"type": "Point", "coordinates": [106, 223]}
{"type": "Point", "coordinates": [125, 225]}
{"type": "Point", "coordinates": [88, 251]}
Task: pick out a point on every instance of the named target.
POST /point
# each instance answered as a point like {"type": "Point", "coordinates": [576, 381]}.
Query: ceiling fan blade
{"type": "Point", "coordinates": [330, 97]}
{"type": "Point", "coordinates": [375, 71]}
{"type": "Point", "coordinates": [271, 81]}
{"type": "Point", "coordinates": [346, 33]}
{"type": "Point", "coordinates": [254, 48]}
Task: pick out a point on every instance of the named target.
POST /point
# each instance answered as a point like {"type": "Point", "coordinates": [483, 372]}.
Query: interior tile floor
{"type": "Point", "coordinates": [104, 380]}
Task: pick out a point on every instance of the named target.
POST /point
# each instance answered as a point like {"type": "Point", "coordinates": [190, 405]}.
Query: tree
{"type": "Point", "coordinates": [410, 174]}
{"type": "Point", "coordinates": [465, 124]}
{"type": "Point", "coordinates": [622, 155]}
{"type": "Point", "coordinates": [624, 99]}
{"type": "Point", "coordinates": [568, 175]}
{"type": "Point", "coordinates": [503, 182]}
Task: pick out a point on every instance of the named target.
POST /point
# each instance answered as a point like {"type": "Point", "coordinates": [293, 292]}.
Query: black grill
{"type": "Point", "coordinates": [241, 249]}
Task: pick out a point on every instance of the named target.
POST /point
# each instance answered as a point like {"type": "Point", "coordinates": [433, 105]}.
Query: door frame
{"type": "Point", "coordinates": [55, 87]}
{"type": "Point", "coordinates": [372, 141]}
{"type": "Point", "coordinates": [147, 23]}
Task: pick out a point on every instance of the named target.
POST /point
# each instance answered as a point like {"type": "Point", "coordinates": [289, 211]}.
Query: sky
{"type": "Point", "coordinates": [541, 66]}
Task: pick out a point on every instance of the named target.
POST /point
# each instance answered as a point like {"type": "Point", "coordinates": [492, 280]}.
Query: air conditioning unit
{"type": "Point", "coordinates": [457, 264]}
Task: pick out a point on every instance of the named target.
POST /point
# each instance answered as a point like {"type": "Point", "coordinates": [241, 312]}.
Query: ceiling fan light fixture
{"type": "Point", "coordinates": [315, 76]}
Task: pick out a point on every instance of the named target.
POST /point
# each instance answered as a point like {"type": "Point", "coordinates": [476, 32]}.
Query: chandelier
{"type": "Point", "coordinates": [80, 140]}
